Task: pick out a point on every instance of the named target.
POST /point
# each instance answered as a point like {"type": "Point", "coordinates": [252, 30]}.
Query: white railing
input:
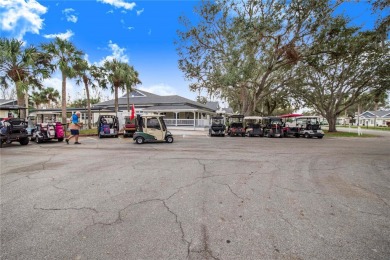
{"type": "Point", "coordinates": [186, 122]}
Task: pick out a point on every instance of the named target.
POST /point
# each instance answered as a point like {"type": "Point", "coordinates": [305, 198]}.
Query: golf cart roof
{"type": "Point", "coordinates": [236, 116]}
{"type": "Point", "coordinates": [107, 116]}
{"type": "Point", "coordinates": [151, 115]}
{"type": "Point", "coordinates": [253, 117]}
{"type": "Point", "coordinates": [308, 117]}
{"type": "Point", "coordinates": [272, 117]}
{"type": "Point", "coordinates": [217, 117]}
{"type": "Point", "coordinates": [290, 115]}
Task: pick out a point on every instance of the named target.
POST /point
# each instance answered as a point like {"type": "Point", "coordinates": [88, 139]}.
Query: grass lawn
{"type": "Point", "coordinates": [345, 134]}
{"type": "Point", "coordinates": [92, 131]}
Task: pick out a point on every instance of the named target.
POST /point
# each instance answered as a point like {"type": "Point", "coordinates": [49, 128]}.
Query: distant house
{"type": "Point", "coordinates": [9, 107]}
{"type": "Point", "coordinates": [375, 118]}
{"type": "Point", "coordinates": [178, 111]}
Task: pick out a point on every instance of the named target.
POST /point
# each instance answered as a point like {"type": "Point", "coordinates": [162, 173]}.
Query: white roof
{"type": "Point", "coordinates": [253, 117]}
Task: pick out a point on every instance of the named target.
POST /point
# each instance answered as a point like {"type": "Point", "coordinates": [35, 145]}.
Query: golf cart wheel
{"type": "Point", "coordinates": [24, 141]}
{"type": "Point", "coordinates": [60, 139]}
{"type": "Point", "coordinates": [38, 140]}
{"type": "Point", "coordinates": [139, 140]}
{"type": "Point", "coordinates": [307, 135]}
{"type": "Point", "coordinates": [320, 137]}
{"type": "Point", "coordinates": [169, 139]}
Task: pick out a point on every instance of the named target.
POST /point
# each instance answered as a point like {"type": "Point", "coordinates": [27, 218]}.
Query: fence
{"type": "Point", "coordinates": [186, 122]}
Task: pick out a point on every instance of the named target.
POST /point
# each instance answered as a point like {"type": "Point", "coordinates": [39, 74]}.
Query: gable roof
{"type": "Point", "coordinates": [8, 102]}
{"type": "Point", "coordinates": [145, 99]}
{"type": "Point", "coordinates": [372, 114]}
{"type": "Point", "coordinates": [213, 105]}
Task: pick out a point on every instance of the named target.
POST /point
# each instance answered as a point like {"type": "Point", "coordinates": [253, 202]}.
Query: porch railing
{"type": "Point", "coordinates": [186, 122]}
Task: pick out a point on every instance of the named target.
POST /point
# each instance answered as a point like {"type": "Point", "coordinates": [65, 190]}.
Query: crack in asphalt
{"type": "Point", "coordinates": [301, 191]}
{"type": "Point", "coordinates": [70, 208]}
{"type": "Point", "coordinates": [230, 188]}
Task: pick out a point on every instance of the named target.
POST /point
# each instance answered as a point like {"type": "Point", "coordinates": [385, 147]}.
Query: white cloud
{"type": "Point", "coordinates": [110, 12]}
{"type": "Point", "coordinates": [119, 4]}
{"type": "Point", "coordinates": [160, 89]}
{"type": "Point", "coordinates": [118, 53]}
{"type": "Point", "coordinates": [69, 16]}
{"type": "Point", "coordinates": [130, 28]}
{"type": "Point", "coordinates": [139, 12]}
{"type": "Point", "coordinates": [73, 91]}
{"type": "Point", "coordinates": [64, 36]}
{"type": "Point", "coordinates": [20, 16]}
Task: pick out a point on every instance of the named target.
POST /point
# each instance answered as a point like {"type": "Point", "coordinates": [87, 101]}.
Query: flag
{"type": "Point", "coordinates": [132, 112]}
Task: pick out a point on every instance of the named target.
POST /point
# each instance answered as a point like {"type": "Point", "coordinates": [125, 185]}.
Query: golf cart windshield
{"type": "Point", "coordinates": [217, 121]}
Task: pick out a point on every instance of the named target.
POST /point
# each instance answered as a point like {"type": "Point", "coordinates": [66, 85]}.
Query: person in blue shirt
{"type": "Point", "coordinates": [74, 126]}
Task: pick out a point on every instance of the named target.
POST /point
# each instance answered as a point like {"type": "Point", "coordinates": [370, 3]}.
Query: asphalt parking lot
{"type": "Point", "coordinates": [197, 198]}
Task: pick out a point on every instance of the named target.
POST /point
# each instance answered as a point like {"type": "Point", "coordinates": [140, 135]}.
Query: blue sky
{"type": "Point", "coordinates": [138, 32]}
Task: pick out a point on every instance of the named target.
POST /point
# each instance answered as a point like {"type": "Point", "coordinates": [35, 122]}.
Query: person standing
{"type": "Point", "coordinates": [74, 126]}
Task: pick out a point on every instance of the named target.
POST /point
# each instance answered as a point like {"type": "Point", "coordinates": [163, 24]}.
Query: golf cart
{"type": "Point", "coordinates": [108, 126]}
{"type": "Point", "coordinates": [217, 126]}
{"type": "Point", "coordinates": [13, 130]}
{"type": "Point", "coordinates": [273, 127]}
{"type": "Point", "coordinates": [44, 132]}
{"type": "Point", "coordinates": [130, 126]}
{"type": "Point", "coordinates": [290, 129]}
{"type": "Point", "coordinates": [152, 128]}
{"type": "Point", "coordinates": [309, 127]}
{"type": "Point", "coordinates": [236, 126]}
{"type": "Point", "coordinates": [253, 126]}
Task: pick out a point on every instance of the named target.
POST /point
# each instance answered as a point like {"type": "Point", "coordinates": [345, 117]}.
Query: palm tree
{"type": "Point", "coordinates": [65, 55]}
{"type": "Point", "coordinates": [37, 98]}
{"type": "Point", "coordinates": [51, 95]}
{"type": "Point", "coordinates": [119, 75]}
{"type": "Point", "coordinates": [82, 71]}
{"type": "Point", "coordinates": [45, 96]}
{"type": "Point", "coordinates": [135, 81]}
{"type": "Point", "coordinates": [23, 68]}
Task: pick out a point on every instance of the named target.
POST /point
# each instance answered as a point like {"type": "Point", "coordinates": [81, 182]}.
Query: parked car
{"type": "Point", "coordinates": [152, 128]}
{"type": "Point", "coordinates": [217, 126]}
{"type": "Point", "coordinates": [130, 126]}
{"type": "Point", "coordinates": [309, 127]}
{"type": "Point", "coordinates": [236, 126]}
{"type": "Point", "coordinates": [13, 130]}
{"type": "Point", "coordinates": [253, 126]}
{"type": "Point", "coordinates": [44, 132]}
{"type": "Point", "coordinates": [290, 129]}
{"type": "Point", "coordinates": [273, 127]}
{"type": "Point", "coordinates": [108, 126]}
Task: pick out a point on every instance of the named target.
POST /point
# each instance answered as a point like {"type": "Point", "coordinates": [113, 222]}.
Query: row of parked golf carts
{"type": "Point", "coordinates": [291, 125]}
{"type": "Point", "coordinates": [152, 128]}
{"type": "Point", "coordinates": [145, 128]}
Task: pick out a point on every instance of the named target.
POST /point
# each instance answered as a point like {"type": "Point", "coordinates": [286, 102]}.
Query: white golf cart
{"type": "Point", "coordinates": [254, 126]}
{"type": "Point", "coordinates": [309, 126]}
{"type": "Point", "coordinates": [151, 128]}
